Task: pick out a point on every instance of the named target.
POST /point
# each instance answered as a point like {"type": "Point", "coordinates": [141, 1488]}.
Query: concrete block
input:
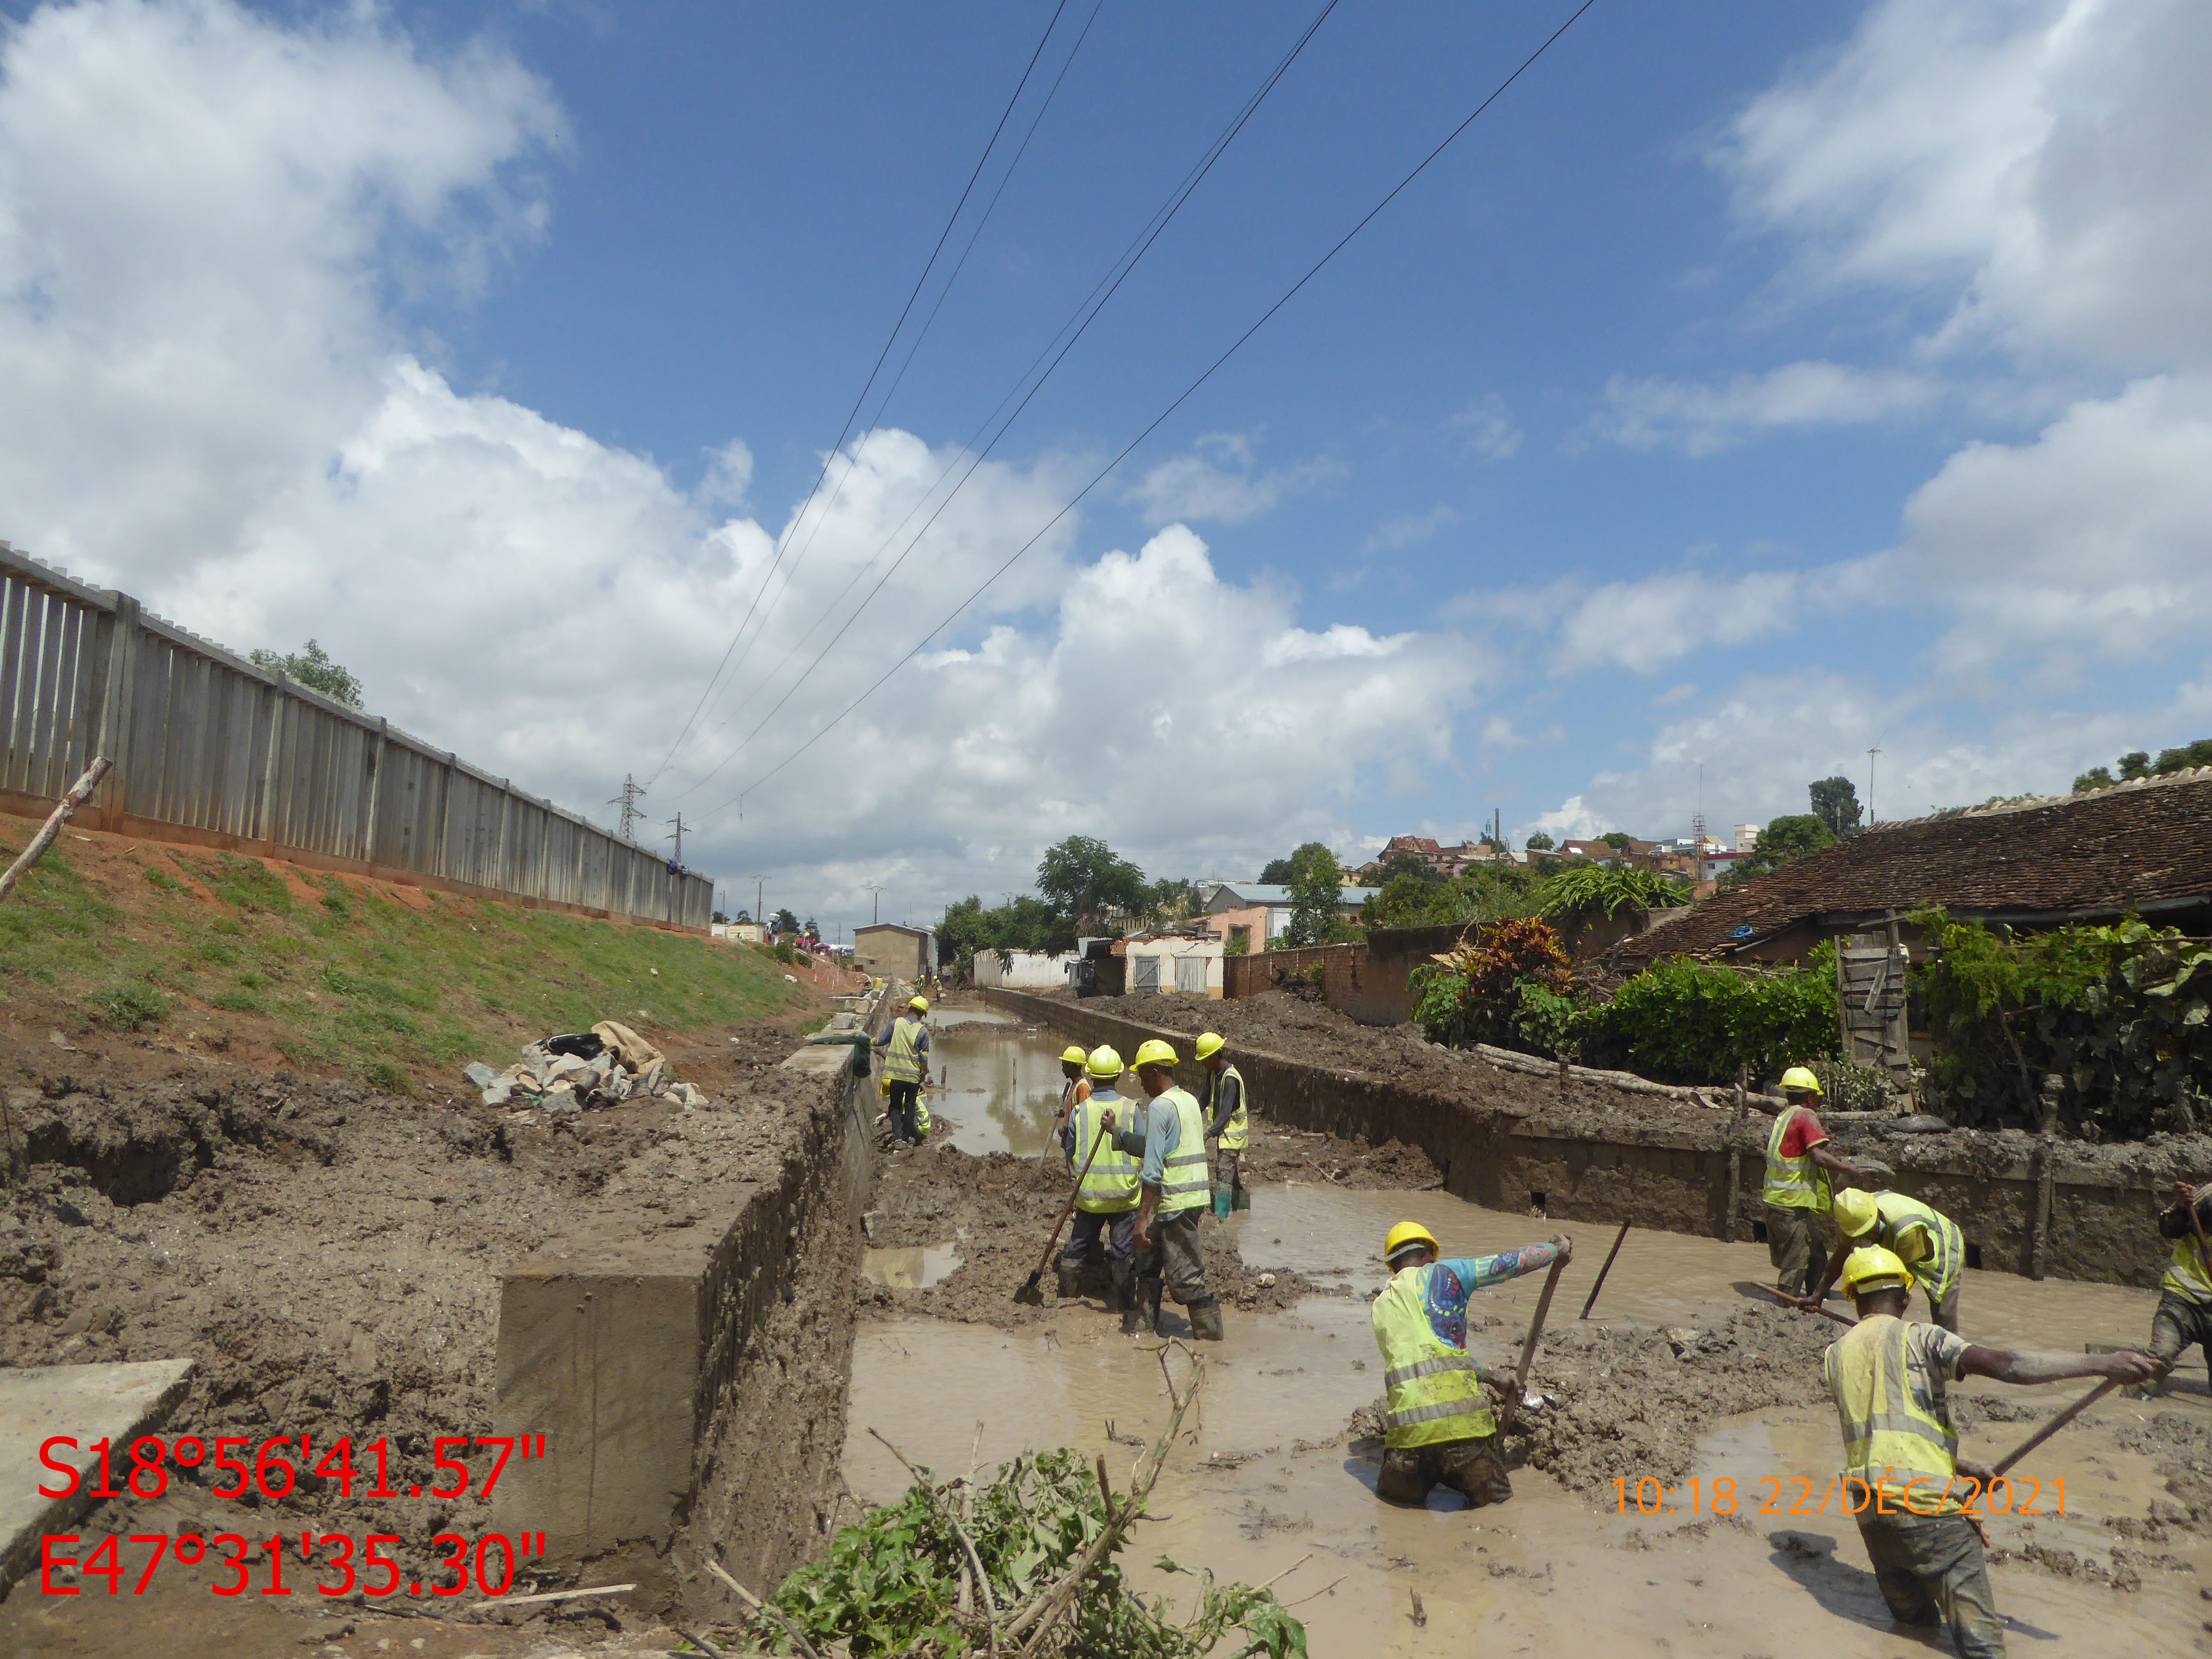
{"type": "Point", "coordinates": [116, 1403]}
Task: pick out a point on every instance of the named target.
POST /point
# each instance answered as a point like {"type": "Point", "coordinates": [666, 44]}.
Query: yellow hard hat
{"type": "Point", "coordinates": [920, 1005]}
{"type": "Point", "coordinates": [1870, 1267]}
{"type": "Point", "coordinates": [1405, 1234]}
{"type": "Point", "coordinates": [1855, 1212]}
{"type": "Point", "coordinates": [1073, 1055]}
{"type": "Point", "coordinates": [1800, 1080]}
{"type": "Point", "coordinates": [1153, 1051]}
{"type": "Point", "coordinates": [1104, 1061]}
{"type": "Point", "coordinates": [1209, 1044]}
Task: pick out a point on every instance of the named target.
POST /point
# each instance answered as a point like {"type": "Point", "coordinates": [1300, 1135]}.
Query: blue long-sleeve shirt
{"type": "Point", "coordinates": [1156, 1135]}
{"type": "Point", "coordinates": [1452, 1282]}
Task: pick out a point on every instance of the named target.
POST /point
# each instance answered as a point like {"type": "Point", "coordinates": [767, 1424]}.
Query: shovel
{"type": "Point", "coordinates": [1510, 1407]}
{"type": "Point", "coordinates": [1029, 1292]}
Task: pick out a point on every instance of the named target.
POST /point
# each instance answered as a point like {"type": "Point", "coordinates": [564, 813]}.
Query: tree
{"type": "Point", "coordinates": [813, 932]}
{"type": "Point", "coordinates": [1170, 900]}
{"type": "Point", "coordinates": [1027, 924]}
{"type": "Point", "coordinates": [1616, 839]}
{"type": "Point", "coordinates": [1836, 804]}
{"type": "Point", "coordinates": [2170, 761]}
{"type": "Point", "coordinates": [1604, 890]}
{"type": "Point", "coordinates": [1315, 893]}
{"type": "Point", "coordinates": [1540, 842]}
{"type": "Point", "coordinates": [312, 666]}
{"type": "Point", "coordinates": [1408, 867]}
{"type": "Point", "coordinates": [745, 916]}
{"type": "Point", "coordinates": [2134, 765]}
{"type": "Point", "coordinates": [1783, 840]}
{"type": "Point", "coordinates": [2097, 777]}
{"type": "Point", "coordinates": [1082, 878]}
{"type": "Point", "coordinates": [785, 924]}
{"type": "Point", "coordinates": [1277, 874]}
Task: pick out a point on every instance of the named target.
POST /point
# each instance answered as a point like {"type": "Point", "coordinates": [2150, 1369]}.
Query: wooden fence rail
{"type": "Point", "coordinates": [210, 749]}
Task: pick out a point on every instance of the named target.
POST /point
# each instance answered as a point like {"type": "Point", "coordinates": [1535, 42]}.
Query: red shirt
{"type": "Point", "coordinates": [1804, 1133]}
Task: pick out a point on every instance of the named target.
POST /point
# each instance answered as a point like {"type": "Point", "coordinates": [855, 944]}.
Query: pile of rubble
{"type": "Point", "coordinates": [573, 1070]}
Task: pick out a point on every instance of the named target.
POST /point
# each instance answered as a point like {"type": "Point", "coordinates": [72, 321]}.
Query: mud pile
{"type": "Point", "coordinates": [1280, 1154]}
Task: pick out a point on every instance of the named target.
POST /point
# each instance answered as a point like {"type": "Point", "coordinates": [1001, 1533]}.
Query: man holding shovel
{"type": "Point", "coordinates": [1902, 1473]}
{"type": "Point", "coordinates": [1106, 1197]}
{"type": "Point", "coordinates": [1170, 1135]}
{"type": "Point", "coordinates": [1441, 1431]}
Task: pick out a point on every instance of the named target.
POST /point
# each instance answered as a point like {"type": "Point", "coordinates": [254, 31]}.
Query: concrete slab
{"type": "Point", "coordinates": [90, 1403]}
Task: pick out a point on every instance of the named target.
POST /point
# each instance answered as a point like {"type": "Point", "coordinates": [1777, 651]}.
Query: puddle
{"type": "Point", "coordinates": [1001, 1081]}
{"type": "Point", "coordinates": [914, 1269]}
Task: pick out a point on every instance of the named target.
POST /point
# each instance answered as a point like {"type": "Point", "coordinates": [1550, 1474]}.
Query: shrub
{"type": "Point", "coordinates": [127, 1007]}
{"type": "Point", "coordinates": [1508, 988]}
{"type": "Point", "coordinates": [1682, 1022]}
{"type": "Point", "coordinates": [1600, 889]}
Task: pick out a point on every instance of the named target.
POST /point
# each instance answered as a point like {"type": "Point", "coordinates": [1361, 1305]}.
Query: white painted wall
{"type": "Point", "coordinates": [1167, 952]}
{"type": "Point", "coordinates": [1030, 970]}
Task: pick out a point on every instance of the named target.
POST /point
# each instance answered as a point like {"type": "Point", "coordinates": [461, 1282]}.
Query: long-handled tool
{"type": "Point", "coordinates": [1535, 1330]}
{"type": "Point", "coordinates": [1825, 1312]}
{"type": "Point", "coordinates": [2057, 1424]}
{"type": "Point", "coordinates": [1619, 1239]}
{"type": "Point", "coordinates": [1029, 1292]}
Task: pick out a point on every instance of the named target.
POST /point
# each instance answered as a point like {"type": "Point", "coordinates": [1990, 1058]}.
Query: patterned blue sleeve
{"type": "Point", "coordinates": [1481, 1272]}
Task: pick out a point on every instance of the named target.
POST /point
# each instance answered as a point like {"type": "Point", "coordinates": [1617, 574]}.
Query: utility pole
{"type": "Point", "coordinates": [678, 838]}
{"type": "Point", "coordinates": [1698, 824]}
{"type": "Point", "coordinates": [1871, 753]}
{"type": "Point", "coordinates": [633, 792]}
{"type": "Point", "coordinates": [879, 914]}
{"type": "Point", "coordinates": [759, 914]}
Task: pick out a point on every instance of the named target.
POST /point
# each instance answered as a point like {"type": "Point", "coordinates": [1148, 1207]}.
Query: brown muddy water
{"type": "Point", "coordinates": [1266, 1477]}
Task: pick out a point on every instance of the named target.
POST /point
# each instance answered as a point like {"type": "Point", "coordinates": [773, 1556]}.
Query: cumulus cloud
{"type": "Point", "coordinates": [1699, 419]}
{"type": "Point", "coordinates": [1643, 625]}
{"type": "Point", "coordinates": [1220, 481]}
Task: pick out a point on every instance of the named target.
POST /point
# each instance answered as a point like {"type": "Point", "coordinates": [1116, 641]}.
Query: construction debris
{"type": "Point", "coordinates": [573, 1071]}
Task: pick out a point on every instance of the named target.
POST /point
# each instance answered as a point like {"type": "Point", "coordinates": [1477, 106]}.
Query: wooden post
{"type": "Point", "coordinates": [78, 794]}
{"type": "Point", "coordinates": [2046, 1150]}
{"type": "Point", "coordinates": [1736, 1159]}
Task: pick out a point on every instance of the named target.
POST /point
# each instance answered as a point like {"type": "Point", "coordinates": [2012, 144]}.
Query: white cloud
{"type": "Point", "coordinates": [1403, 530]}
{"type": "Point", "coordinates": [1220, 482]}
{"type": "Point", "coordinates": [1646, 624]}
{"type": "Point", "coordinates": [203, 215]}
{"type": "Point", "coordinates": [1489, 433]}
{"type": "Point", "coordinates": [1701, 419]}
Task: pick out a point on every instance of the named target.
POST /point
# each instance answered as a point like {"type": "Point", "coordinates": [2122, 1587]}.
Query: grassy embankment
{"type": "Point", "coordinates": [391, 985]}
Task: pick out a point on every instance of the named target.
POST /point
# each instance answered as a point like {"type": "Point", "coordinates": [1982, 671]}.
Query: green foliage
{"type": "Point", "coordinates": [312, 666]}
{"type": "Point", "coordinates": [1026, 924]}
{"type": "Point", "coordinates": [1082, 877]}
{"type": "Point", "coordinates": [1277, 874]}
{"type": "Point", "coordinates": [2134, 764]}
{"type": "Point", "coordinates": [1540, 842]}
{"type": "Point", "coordinates": [1616, 839]}
{"type": "Point", "coordinates": [1239, 943]}
{"type": "Point", "coordinates": [1848, 1088]}
{"type": "Point", "coordinates": [2137, 764]}
{"type": "Point", "coordinates": [1316, 892]}
{"type": "Point", "coordinates": [2097, 777]}
{"type": "Point", "coordinates": [784, 923]}
{"type": "Point", "coordinates": [1585, 890]}
{"type": "Point", "coordinates": [127, 1007]}
{"type": "Point", "coordinates": [2122, 1013]}
{"type": "Point", "coordinates": [890, 1582]}
{"type": "Point", "coordinates": [1836, 804]}
{"type": "Point", "coordinates": [1510, 988]}
{"type": "Point", "coordinates": [1482, 893]}
{"type": "Point", "coordinates": [1683, 1022]}
{"type": "Point", "coordinates": [1783, 839]}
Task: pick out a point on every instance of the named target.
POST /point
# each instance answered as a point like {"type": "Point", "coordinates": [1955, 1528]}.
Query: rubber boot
{"type": "Point", "coordinates": [1148, 1304]}
{"type": "Point", "coordinates": [1204, 1319]}
{"type": "Point", "coordinates": [1123, 1296]}
{"type": "Point", "coordinates": [1071, 1279]}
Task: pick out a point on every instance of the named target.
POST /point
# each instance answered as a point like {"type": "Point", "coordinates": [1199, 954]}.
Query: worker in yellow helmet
{"type": "Point", "coordinates": [1440, 1431]}
{"type": "Point", "coordinates": [905, 1046]}
{"type": "Point", "coordinates": [1927, 1241]}
{"type": "Point", "coordinates": [1799, 1166]}
{"type": "Point", "coordinates": [1229, 1124]}
{"type": "Point", "coordinates": [1902, 1473]}
{"type": "Point", "coordinates": [1075, 1087]}
{"type": "Point", "coordinates": [1171, 1140]}
{"type": "Point", "coordinates": [1106, 1201]}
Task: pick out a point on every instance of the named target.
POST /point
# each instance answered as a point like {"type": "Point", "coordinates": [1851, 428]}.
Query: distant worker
{"type": "Point", "coordinates": [904, 1046]}
{"type": "Point", "coordinates": [1171, 1139]}
{"type": "Point", "coordinates": [1106, 1202]}
{"type": "Point", "coordinates": [1075, 1090]}
{"type": "Point", "coordinates": [1440, 1431]}
{"type": "Point", "coordinates": [2184, 1315]}
{"type": "Point", "coordinates": [1923, 1237]}
{"type": "Point", "coordinates": [1227, 1121]}
{"type": "Point", "coordinates": [1798, 1167]}
{"type": "Point", "coordinates": [1901, 1452]}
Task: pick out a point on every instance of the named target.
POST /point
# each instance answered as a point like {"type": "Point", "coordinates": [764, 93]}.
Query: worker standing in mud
{"type": "Point", "coordinates": [2184, 1315]}
{"type": "Point", "coordinates": [1228, 1123]}
{"type": "Point", "coordinates": [1076, 1087]}
{"type": "Point", "coordinates": [1799, 1166]}
{"type": "Point", "coordinates": [1440, 1429]}
{"type": "Point", "coordinates": [1902, 1474]}
{"type": "Point", "coordinates": [1170, 1137]}
{"type": "Point", "coordinates": [904, 1046]}
{"type": "Point", "coordinates": [1927, 1241]}
{"type": "Point", "coordinates": [1106, 1202]}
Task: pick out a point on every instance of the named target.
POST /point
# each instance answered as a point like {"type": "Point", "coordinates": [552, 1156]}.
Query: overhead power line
{"type": "Point", "coordinates": [1080, 321]}
{"type": "Point", "coordinates": [1180, 397]}
{"type": "Point", "coordinates": [889, 340]}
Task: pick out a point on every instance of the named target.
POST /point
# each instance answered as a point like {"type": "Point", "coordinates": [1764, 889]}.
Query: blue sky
{"type": "Point", "coordinates": [1751, 385]}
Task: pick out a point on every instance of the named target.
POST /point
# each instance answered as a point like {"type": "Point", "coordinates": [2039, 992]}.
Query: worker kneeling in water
{"type": "Point", "coordinates": [1902, 1474]}
{"type": "Point", "coordinates": [1441, 1431]}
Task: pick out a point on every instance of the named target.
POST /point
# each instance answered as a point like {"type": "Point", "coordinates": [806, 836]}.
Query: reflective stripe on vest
{"type": "Point", "coordinates": [1183, 1181]}
{"type": "Point", "coordinates": [1111, 1187]}
{"type": "Point", "coordinates": [1435, 1392]}
{"type": "Point", "coordinates": [2187, 1277]}
{"type": "Point", "coordinates": [1236, 1133]}
{"type": "Point", "coordinates": [1886, 1428]}
{"type": "Point", "coordinates": [901, 1059]}
{"type": "Point", "coordinates": [1946, 1258]}
{"type": "Point", "coordinates": [1793, 1183]}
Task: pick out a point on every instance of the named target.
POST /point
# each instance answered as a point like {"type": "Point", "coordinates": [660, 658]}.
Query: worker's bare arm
{"type": "Point", "coordinates": [1811, 1304]}
{"type": "Point", "coordinates": [1819, 1152]}
{"type": "Point", "coordinates": [2004, 1365]}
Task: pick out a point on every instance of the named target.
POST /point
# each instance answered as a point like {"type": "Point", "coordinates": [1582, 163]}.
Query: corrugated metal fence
{"type": "Point", "coordinates": [210, 749]}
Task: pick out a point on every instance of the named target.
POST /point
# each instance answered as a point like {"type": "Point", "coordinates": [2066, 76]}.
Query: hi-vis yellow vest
{"type": "Point", "coordinates": [1435, 1393]}
{"type": "Point", "coordinates": [1937, 1271]}
{"type": "Point", "coordinates": [1793, 1183]}
{"type": "Point", "coordinates": [901, 1059]}
{"type": "Point", "coordinates": [1110, 1187]}
{"type": "Point", "coordinates": [2187, 1277]}
{"type": "Point", "coordinates": [1184, 1184]}
{"type": "Point", "coordinates": [1236, 1133]}
{"type": "Point", "coordinates": [1895, 1439]}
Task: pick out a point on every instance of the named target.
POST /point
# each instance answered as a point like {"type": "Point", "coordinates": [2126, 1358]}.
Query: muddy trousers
{"type": "Point", "coordinates": [1797, 1247]}
{"type": "Point", "coordinates": [1174, 1260]}
{"type": "Point", "coordinates": [1931, 1572]}
{"type": "Point", "coordinates": [1474, 1468]}
{"type": "Point", "coordinates": [905, 1125]}
{"type": "Point", "coordinates": [1118, 1230]}
{"type": "Point", "coordinates": [2179, 1324]}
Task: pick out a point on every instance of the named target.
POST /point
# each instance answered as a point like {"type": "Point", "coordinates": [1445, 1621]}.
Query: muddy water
{"type": "Point", "coordinates": [1001, 1081]}
{"type": "Point", "coordinates": [1262, 1478]}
